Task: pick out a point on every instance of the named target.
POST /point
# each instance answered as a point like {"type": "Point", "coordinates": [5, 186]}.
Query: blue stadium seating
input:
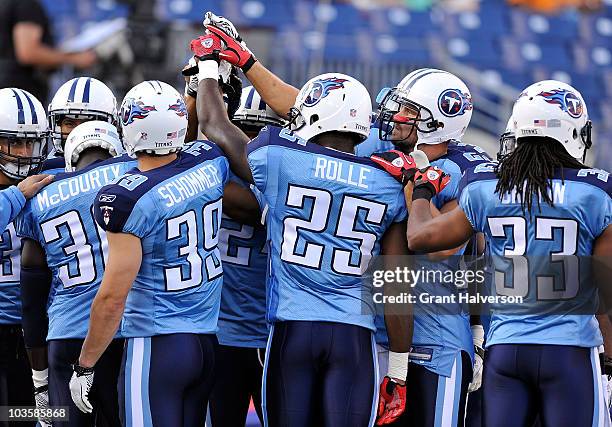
{"type": "Point", "coordinates": [505, 43]}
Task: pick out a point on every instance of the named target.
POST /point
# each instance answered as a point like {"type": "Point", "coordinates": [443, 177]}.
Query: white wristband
{"type": "Point", "coordinates": [40, 378]}
{"type": "Point", "coordinates": [477, 335]}
{"type": "Point", "coordinates": [208, 69]}
{"type": "Point", "coordinates": [398, 365]}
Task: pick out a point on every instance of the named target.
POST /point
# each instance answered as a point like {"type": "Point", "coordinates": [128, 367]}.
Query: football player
{"type": "Point", "coordinates": [64, 255]}
{"type": "Point", "coordinates": [23, 136]}
{"type": "Point", "coordinates": [537, 202]}
{"type": "Point", "coordinates": [329, 213]}
{"type": "Point", "coordinates": [79, 100]}
{"type": "Point", "coordinates": [430, 110]}
{"type": "Point", "coordinates": [242, 319]}
{"type": "Point", "coordinates": [163, 277]}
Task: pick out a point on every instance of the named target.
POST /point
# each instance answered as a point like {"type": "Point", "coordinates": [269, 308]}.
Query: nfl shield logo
{"type": "Point", "coordinates": [353, 112]}
{"type": "Point", "coordinates": [106, 213]}
{"type": "Point", "coordinates": [207, 43]}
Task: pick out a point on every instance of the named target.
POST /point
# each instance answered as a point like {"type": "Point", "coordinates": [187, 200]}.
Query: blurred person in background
{"type": "Point", "coordinates": [26, 48]}
{"type": "Point", "coordinates": [555, 6]}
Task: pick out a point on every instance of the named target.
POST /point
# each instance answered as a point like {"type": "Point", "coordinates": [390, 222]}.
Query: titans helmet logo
{"type": "Point", "coordinates": [179, 108]}
{"type": "Point", "coordinates": [566, 100]}
{"type": "Point", "coordinates": [453, 102]}
{"type": "Point", "coordinates": [321, 88]}
{"type": "Point", "coordinates": [132, 110]}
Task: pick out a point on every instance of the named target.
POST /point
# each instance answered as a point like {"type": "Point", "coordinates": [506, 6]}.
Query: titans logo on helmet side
{"type": "Point", "coordinates": [321, 88]}
{"type": "Point", "coordinates": [179, 108]}
{"type": "Point", "coordinates": [132, 110]}
{"type": "Point", "coordinates": [566, 100]}
{"type": "Point", "coordinates": [453, 102]}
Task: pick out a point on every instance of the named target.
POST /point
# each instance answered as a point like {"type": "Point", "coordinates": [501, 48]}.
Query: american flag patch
{"type": "Point", "coordinates": [100, 130]}
{"type": "Point", "coordinates": [541, 123]}
{"type": "Point", "coordinates": [171, 135]}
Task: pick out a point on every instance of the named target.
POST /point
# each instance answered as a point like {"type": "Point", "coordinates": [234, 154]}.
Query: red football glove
{"type": "Point", "coordinates": [206, 47]}
{"type": "Point", "coordinates": [235, 53]}
{"type": "Point", "coordinates": [428, 182]}
{"type": "Point", "coordinates": [401, 166]}
{"type": "Point", "coordinates": [391, 403]}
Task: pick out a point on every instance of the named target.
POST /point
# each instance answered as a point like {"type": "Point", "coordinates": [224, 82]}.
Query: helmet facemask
{"type": "Point", "coordinates": [296, 119]}
{"type": "Point", "coordinates": [58, 138]}
{"type": "Point", "coordinates": [507, 144]}
{"type": "Point", "coordinates": [400, 118]}
{"type": "Point", "coordinates": [585, 136]}
{"type": "Point", "coordinates": [13, 163]}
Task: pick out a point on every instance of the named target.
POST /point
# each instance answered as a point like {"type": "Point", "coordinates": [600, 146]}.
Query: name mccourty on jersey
{"type": "Point", "coordinates": [84, 183]}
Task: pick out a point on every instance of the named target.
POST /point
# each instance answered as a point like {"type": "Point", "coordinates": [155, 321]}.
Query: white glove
{"type": "Point", "coordinates": [221, 23]}
{"type": "Point", "coordinates": [80, 385]}
{"type": "Point", "coordinates": [607, 390]}
{"type": "Point", "coordinates": [606, 377]}
{"type": "Point", "coordinates": [191, 86]}
{"type": "Point", "coordinates": [41, 393]}
{"type": "Point", "coordinates": [478, 339]}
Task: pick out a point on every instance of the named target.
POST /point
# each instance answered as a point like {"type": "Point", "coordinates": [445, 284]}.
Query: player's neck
{"type": "Point", "coordinates": [146, 162]}
{"type": "Point", "coordinates": [434, 151]}
{"type": "Point", "coordinates": [337, 141]}
{"type": "Point", "coordinates": [5, 180]}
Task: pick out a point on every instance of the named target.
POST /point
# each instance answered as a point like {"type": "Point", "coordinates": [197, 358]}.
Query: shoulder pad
{"type": "Point", "coordinates": [596, 177]}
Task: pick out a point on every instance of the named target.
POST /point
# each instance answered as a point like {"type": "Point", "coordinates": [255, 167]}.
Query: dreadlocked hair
{"type": "Point", "coordinates": [529, 170]}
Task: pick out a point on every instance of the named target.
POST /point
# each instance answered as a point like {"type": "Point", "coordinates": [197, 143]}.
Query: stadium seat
{"type": "Point", "coordinates": [534, 27]}
{"type": "Point", "coordinates": [185, 10]}
{"type": "Point", "coordinates": [474, 50]}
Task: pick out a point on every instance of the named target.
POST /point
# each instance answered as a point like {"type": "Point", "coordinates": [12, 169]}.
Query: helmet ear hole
{"type": "Point", "coordinates": [314, 118]}
{"type": "Point", "coordinates": [575, 134]}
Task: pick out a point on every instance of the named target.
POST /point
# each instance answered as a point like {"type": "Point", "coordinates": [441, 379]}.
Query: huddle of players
{"type": "Point", "coordinates": [124, 255]}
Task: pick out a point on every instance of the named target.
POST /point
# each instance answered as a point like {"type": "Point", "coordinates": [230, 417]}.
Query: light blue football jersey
{"type": "Point", "coordinates": [582, 210]}
{"type": "Point", "coordinates": [373, 144]}
{"type": "Point", "coordinates": [10, 302]}
{"type": "Point", "coordinates": [438, 331]}
{"type": "Point", "coordinates": [175, 210]}
{"type": "Point", "coordinates": [54, 165]}
{"type": "Point", "coordinates": [327, 212]}
{"type": "Point", "coordinates": [442, 330]}
{"type": "Point", "coordinates": [242, 319]}
{"type": "Point", "coordinates": [60, 219]}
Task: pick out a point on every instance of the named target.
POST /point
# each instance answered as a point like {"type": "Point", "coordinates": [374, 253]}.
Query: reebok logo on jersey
{"type": "Point", "coordinates": [106, 213]}
{"type": "Point", "coordinates": [107, 198]}
{"type": "Point", "coordinates": [432, 175]}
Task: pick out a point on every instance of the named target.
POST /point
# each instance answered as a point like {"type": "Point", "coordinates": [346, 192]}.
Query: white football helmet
{"type": "Point", "coordinates": [91, 134]}
{"type": "Point", "coordinates": [441, 99]}
{"type": "Point", "coordinates": [153, 119]}
{"type": "Point", "coordinates": [331, 102]}
{"type": "Point", "coordinates": [83, 98]}
{"type": "Point", "coordinates": [23, 133]}
{"type": "Point", "coordinates": [555, 110]}
{"type": "Point", "coordinates": [253, 113]}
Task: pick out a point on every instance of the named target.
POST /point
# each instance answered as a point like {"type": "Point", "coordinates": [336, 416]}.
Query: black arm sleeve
{"type": "Point", "coordinates": [35, 286]}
